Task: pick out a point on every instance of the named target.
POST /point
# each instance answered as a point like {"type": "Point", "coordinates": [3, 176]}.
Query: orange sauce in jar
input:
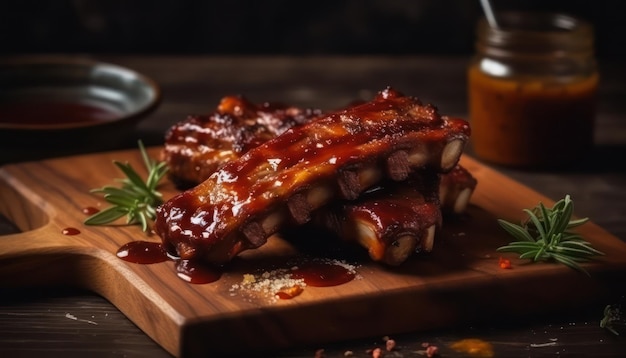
{"type": "Point", "coordinates": [530, 122]}
{"type": "Point", "coordinates": [532, 90]}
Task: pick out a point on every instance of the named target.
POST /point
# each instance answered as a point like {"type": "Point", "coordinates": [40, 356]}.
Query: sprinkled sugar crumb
{"type": "Point", "coordinates": [351, 268]}
{"type": "Point", "coordinates": [268, 285]}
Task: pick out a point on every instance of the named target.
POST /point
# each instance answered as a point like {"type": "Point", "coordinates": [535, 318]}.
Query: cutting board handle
{"type": "Point", "coordinates": [43, 254]}
{"type": "Point", "coordinates": [41, 257]}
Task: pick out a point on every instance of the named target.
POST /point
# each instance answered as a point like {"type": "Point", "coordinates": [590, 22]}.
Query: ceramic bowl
{"type": "Point", "coordinates": [70, 104]}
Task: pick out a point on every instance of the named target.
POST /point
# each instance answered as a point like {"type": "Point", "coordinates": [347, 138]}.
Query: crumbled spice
{"type": "Point", "coordinates": [352, 269]}
{"type": "Point", "coordinates": [504, 263]}
{"type": "Point", "coordinates": [248, 279]}
{"type": "Point", "coordinates": [268, 284]}
{"type": "Point", "coordinates": [280, 283]}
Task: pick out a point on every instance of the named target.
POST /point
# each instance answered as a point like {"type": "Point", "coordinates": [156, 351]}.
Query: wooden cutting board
{"type": "Point", "coordinates": [459, 282]}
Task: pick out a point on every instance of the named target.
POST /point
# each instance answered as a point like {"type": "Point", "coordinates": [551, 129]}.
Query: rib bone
{"type": "Point", "coordinates": [456, 189]}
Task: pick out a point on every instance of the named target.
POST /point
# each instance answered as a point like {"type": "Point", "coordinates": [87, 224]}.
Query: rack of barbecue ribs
{"type": "Point", "coordinates": [337, 156]}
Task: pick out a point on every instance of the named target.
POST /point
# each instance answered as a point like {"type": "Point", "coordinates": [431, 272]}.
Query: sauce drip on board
{"type": "Point", "coordinates": [70, 231]}
{"type": "Point", "coordinates": [323, 274]}
{"type": "Point", "coordinates": [284, 295]}
{"type": "Point", "coordinates": [289, 293]}
{"type": "Point", "coordinates": [46, 112]}
{"type": "Point", "coordinates": [194, 271]}
{"type": "Point", "coordinates": [317, 274]}
{"type": "Point", "coordinates": [90, 210]}
{"type": "Point", "coordinates": [142, 252]}
{"type": "Point", "coordinates": [145, 252]}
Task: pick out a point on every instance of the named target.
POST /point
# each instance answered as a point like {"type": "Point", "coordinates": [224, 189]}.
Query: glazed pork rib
{"type": "Point", "coordinates": [395, 219]}
{"type": "Point", "coordinates": [391, 221]}
{"type": "Point", "coordinates": [284, 180]}
{"type": "Point", "coordinates": [197, 146]}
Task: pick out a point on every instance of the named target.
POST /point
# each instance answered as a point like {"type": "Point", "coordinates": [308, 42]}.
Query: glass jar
{"type": "Point", "coordinates": [531, 88]}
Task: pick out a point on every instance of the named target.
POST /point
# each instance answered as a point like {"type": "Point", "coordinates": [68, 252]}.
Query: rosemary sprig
{"type": "Point", "coordinates": [547, 236]}
{"type": "Point", "coordinates": [135, 199]}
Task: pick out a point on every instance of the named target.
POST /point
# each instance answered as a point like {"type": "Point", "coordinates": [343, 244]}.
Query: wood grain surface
{"type": "Point", "coordinates": [44, 197]}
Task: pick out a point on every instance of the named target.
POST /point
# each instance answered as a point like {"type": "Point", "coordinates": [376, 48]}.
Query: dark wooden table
{"type": "Point", "coordinates": [67, 322]}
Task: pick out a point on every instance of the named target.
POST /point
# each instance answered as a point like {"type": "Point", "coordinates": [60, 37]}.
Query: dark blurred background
{"type": "Point", "coordinates": [273, 27]}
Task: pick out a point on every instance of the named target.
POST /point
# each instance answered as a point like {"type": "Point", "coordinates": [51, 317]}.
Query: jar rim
{"type": "Point", "coordinates": [524, 23]}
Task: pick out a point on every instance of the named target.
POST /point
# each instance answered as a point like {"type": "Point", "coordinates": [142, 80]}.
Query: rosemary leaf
{"type": "Point", "coordinates": [516, 231]}
{"type": "Point", "coordinates": [106, 216]}
{"type": "Point", "coordinates": [574, 223]}
{"type": "Point", "coordinates": [528, 254]}
{"type": "Point", "coordinates": [121, 201]}
{"type": "Point", "coordinates": [134, 180]}
{"type": "Point", "coordinates": [538, 223]}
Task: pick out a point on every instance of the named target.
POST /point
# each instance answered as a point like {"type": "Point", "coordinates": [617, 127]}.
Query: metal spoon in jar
{"type": "Point", "coordinates": [489, 14]}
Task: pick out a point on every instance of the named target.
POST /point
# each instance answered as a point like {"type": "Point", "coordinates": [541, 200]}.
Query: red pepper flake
{"type": "Point", "coordinates": [377, 353]}
{"type": "Point", "coordinates": [432, 351]}
{"type": "Point", "coordinates": [504, 263]}
{"type": "Point", "coordinates": [390, 344]}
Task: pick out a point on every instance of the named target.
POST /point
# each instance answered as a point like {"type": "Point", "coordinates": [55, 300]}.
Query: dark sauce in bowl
{"type": "Point", "coordinates": [63, 106]}
{"type": "Point", "coordinates": [52, 113]}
